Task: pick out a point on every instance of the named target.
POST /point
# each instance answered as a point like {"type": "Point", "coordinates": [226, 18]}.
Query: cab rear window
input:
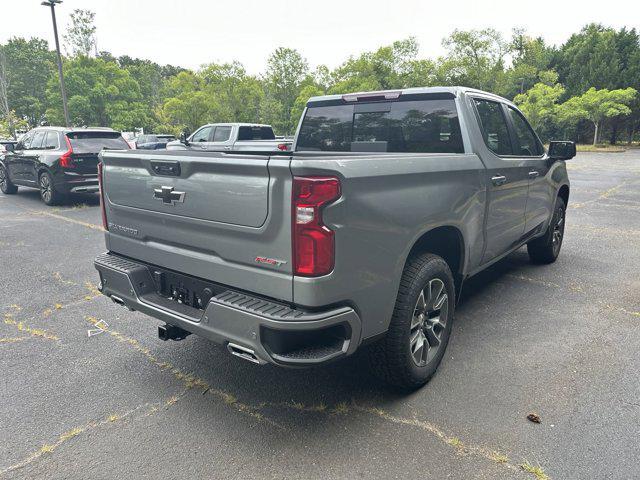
{"type": "Point", "coordinates": [94, 142]}
{"type": "Point", "coordinates": [255, 133]}
{"type": "Point", "coordinates": [412, 126]}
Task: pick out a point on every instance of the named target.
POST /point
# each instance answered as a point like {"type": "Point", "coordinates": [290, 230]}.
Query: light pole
{"type": "Point", "coordinates": [52, 4]}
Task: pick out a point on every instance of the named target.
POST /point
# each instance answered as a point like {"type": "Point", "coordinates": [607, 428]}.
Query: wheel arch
{"type": "Point", "coordinates": [563, 193]}
{"type": "Point", "coordinates": [41, 169]}
{"type": "Point", "coordinates": [447, 242]}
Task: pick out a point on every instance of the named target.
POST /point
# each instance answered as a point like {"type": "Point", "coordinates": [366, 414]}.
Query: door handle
{"type": "Point", "coordinates": [534, 174]}
{"type": "Point", "coordinates": [499, 180]}
{"type": "Point", "coordinates": [203, 147]}
{"type": "Point", "coordinates": [227, 147]}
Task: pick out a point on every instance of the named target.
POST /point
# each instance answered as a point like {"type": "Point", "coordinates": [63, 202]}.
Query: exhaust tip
{"type": "Point", "coordinates": [117, 300]}
{"type": "Point", "coordinates": [242, 352]}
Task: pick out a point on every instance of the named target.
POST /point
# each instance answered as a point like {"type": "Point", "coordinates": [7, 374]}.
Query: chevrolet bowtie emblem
{"type": "Point", "coordinates": [168, 195]}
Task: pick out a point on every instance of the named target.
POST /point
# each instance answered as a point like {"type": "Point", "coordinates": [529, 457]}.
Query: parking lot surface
{"type": "Point", "coordinates": [560, 340]}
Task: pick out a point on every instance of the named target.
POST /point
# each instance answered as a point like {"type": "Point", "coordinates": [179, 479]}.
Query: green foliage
{"type": "Point", "coordinates": [598, 105]}
{"type": "Point", "coordinates": [540, 105]}
{"type": "Point", "coordinates": [286, 71]}
{"type": "Point", "coordinates": [301, 102]}
{"type": "Point", "coordinates": [29, 65]}
{"type": "Point", "coordinates": [100, 93]}
{"type": "Point", "coordinates": [80, 38]}
{"type": "Point", "coordinates": [589, 83]}
{"type": "Point", "coordinates": [389, 67]}
{"type": "Point", "coordinates": [475, 58]}
{"type": "Point", "coordinates": [9, 126]}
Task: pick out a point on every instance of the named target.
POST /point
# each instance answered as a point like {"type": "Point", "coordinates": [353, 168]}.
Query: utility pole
{"type": "Point", "coordinates": [52, 4]}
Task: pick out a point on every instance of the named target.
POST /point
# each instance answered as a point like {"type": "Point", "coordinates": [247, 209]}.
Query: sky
{"type": "Point", "coordinates": [190, 33]}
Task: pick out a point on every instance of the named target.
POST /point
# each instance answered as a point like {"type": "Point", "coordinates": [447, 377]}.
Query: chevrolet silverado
{"type": "Point", "coordinates": [362, 235]}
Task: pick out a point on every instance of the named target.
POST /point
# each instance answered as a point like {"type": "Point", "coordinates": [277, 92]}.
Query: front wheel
{"type": "Point", "coordinates": [547, 248]}
{"type": "Point", "coordinates": [420, 327]}
{"type": "Point", "coordinates": [48, 192]}
{"type": "Point", "coordinates": [6, 186]}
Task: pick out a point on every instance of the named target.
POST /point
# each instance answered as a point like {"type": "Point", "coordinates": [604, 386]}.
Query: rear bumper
{"type": "Point", "coordinates": [69, 182]}
{"type": "Point", "coordinates": [274, 332]}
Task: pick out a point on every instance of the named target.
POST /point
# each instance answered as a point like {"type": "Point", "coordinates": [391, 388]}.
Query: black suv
{"type": "Point", "coordinates": [58, 161]}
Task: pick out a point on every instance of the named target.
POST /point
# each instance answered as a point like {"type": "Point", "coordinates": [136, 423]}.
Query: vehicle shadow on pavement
{"type": "Point", "coordinates": [30, 197]}
{"type": "Point", "coordinates": [348, 381]}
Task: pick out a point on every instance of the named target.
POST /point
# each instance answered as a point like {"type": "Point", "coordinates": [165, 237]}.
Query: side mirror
{"type": "Point", "coordinates": [184, 138]}
{"type": "Point", "coordinates": [9, 147]}
{"type": "Point", "coordinates": [561, 150]}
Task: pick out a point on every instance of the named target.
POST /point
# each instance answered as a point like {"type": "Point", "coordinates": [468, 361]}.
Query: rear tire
{"type": "Point", "coordinates": [420, 327]}
{"type": "Point", "coordinates": [546, 249]}
{"type": "Point", "coordinates": [6, 186]}
{"type": "Point", "coordinates": [48, 193]}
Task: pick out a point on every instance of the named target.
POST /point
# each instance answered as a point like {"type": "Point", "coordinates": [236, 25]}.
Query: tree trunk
{"type": "Point", "coordinates": [614, 133]}
{"type": "Point", "coordinates": [595, 133]}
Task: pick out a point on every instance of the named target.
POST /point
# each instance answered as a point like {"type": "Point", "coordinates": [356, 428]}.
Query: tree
{"type": "Point", "coordinates": [80, 38]}
{"type": "Point", "coordinates": [100, 94]}
{"type": "Point", "coordinates": [598, 105]}
{"type": "Point", "coordinates": [29, 64]}
{"type": "Point", "coordinates": [301, 102]}
{"type": "Point", "coordinates": [589, 59]}
{"type": "Point", "coordinates": [530, 57]}
{"type": "Point", "coordinates": [286, 70]}
{"type": "Point", "coordinates": [239, 95]}
{"type": "Point", "coordinates": [475, 58]}
{"type": "Point", "coordinates": [392, 66]}
{"type": "Point", "coordinates": [540, 105]}
{"type": "Point", "coordinates": [4, 95]}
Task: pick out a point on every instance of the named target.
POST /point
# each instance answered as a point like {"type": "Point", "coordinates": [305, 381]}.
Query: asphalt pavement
{"type": "Point", "coordinates": [560, 340]}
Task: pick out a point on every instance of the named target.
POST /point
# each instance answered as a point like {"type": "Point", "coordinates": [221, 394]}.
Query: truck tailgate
{"type": "Point", "coordinates": [210, 214]}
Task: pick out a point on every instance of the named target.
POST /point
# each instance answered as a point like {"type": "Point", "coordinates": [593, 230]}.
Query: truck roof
{"type": "Point", "coordinates": [392, 94]}
{"type": "Point", "coordinates": [75, 129]}
{"type": "Point", "coordinates": [238, 124]}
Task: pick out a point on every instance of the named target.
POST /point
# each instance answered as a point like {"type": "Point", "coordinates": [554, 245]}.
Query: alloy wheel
{"type": "Point", "coordinates": [558, 230]}
{"type": "Point", "coordinates": [45, 188]}
{"type": "Point", "coordinates": [428, 322]}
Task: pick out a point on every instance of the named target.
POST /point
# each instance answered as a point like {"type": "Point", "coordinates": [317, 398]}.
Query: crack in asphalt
{"type": "Point", "coordinates": [114, 418]}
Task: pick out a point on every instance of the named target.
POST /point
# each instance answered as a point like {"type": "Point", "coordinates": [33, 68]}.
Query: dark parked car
{"type": "Point", "coordinates": [57, 161]}
{"type": "Point", "coordinates": [153, 142]}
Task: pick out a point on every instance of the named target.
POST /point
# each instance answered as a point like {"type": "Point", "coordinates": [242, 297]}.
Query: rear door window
{"type": "Point", "coordinates": [222, 134]}
{"type": "Point", "coordinates": [94, 142]}
{"type": "Point", "coordinates": [412, 126]}
{"type": "Point", "coordinates": [528, 143]}
{"type": "Point", "coordinates": [494, 126]}
{"type": "Point", "coordinates": [38, 140]}
{"type": "Point", "coordinates": [51, 141]}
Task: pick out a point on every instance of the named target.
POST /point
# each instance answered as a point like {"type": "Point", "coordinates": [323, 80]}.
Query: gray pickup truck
{"type": "Point", "coordinates": [362, 235]}
{"type": "Point", "coordinates": [232, 137]}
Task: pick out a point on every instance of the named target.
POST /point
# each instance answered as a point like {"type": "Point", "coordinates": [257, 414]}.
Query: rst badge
{"type": "Point", "coordinates": [270, 261]}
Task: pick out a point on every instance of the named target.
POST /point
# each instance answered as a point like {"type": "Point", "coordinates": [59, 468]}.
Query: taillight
{"type": "Point", "coordinates": [65, 160]}
{"type": "Point", "coordinates": [103, 207]}
{"type": "Point", "coordinates": [313, 243]}
{"type": "Point", "coordinates": [283, 147]}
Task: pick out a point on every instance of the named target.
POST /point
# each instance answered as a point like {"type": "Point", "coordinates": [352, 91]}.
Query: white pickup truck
{"type": "Point", "coordinates": [233, 137]}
